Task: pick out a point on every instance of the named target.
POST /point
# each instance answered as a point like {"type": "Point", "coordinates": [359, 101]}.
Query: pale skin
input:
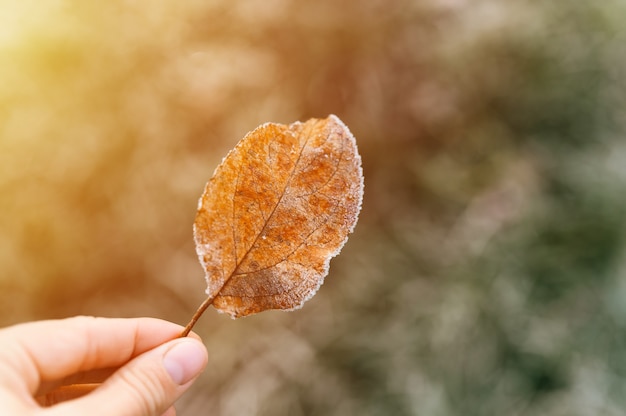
{"type": "Point", "coordinates": [96, 366]}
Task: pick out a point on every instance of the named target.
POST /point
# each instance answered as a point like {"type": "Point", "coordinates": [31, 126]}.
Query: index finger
{"type": "Point", "coordinates": [36, 352]}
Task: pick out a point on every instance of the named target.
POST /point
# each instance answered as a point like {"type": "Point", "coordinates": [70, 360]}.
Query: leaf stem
{"type": "Point", "coordinates": [207, 302]}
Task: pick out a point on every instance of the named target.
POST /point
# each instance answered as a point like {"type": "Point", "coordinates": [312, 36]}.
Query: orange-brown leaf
{"type": "Point", "coordinates": [277, 209]}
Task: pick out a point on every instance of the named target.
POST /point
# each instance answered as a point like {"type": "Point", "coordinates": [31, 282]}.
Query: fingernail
{"type": "Point", "coordinates": [185, 360]}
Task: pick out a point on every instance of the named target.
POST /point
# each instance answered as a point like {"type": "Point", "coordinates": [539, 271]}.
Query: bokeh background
{"type": "Point", "coordinates": [487, 274]}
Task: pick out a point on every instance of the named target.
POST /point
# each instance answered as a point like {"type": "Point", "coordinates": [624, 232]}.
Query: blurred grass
{"type": "Point", "coordinates": [487, 273]}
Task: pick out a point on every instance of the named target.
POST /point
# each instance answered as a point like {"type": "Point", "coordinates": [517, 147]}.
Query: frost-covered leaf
{"type": "Point", "coordinates": [277, 209]}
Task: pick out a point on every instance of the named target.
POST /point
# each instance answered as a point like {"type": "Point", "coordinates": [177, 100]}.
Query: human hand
{"type": "Point", "coordinates": [141, 365]}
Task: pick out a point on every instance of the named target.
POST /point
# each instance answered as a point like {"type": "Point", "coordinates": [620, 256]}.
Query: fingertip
{"type": "Point", "coordinates": [185, 360]}
{"type": "Point", "coordinates": [194, 336]}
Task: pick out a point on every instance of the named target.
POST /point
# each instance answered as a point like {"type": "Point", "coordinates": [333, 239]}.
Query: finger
{"type": "Point", "coordinates": [85, 377]}
{"type": "Point", "coordinates": [147, 386]}
{"type": "Point", "coordinates": [51, 350]}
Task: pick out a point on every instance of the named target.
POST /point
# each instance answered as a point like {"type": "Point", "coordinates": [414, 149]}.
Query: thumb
{"type": "Point", "coordinates": [146, 386]}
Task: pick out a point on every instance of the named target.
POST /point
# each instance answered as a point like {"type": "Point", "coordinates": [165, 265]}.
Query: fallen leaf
{"type": "Point", "coordinates": [277, 209]}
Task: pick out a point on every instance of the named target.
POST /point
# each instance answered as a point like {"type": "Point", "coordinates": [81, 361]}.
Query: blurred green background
{"type": "Point", "coordinates": [487, 274]}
